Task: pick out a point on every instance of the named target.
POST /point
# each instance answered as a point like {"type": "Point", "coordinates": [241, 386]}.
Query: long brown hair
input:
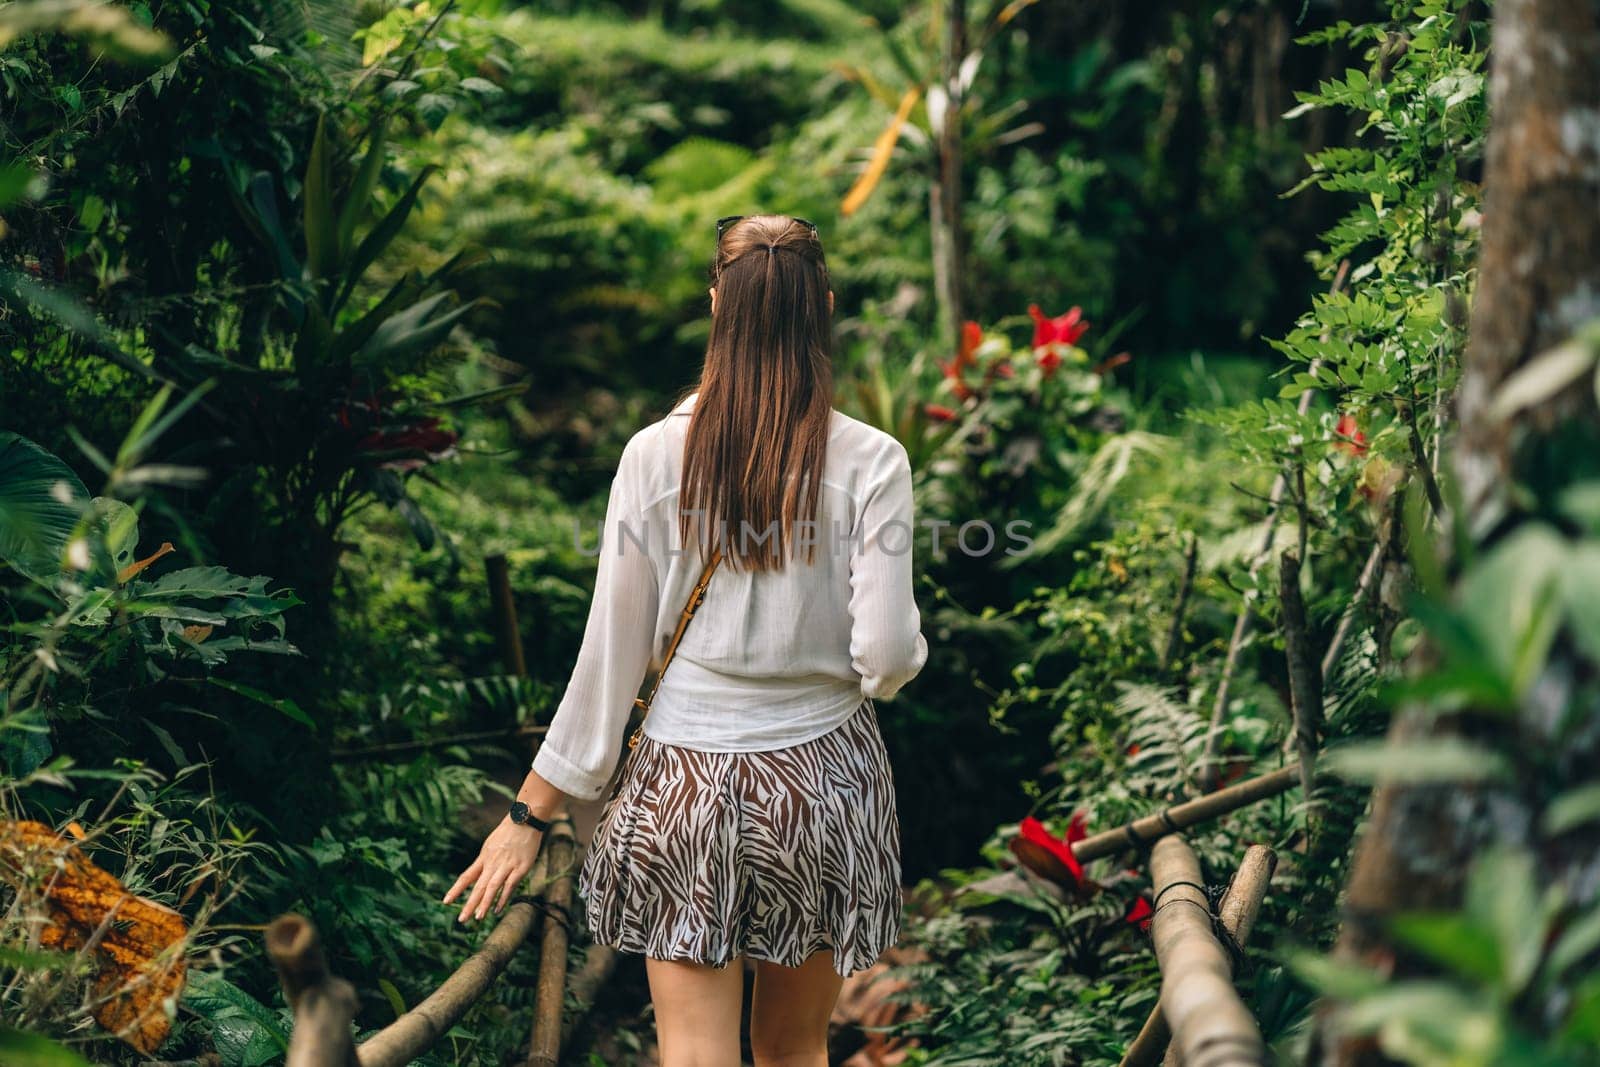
{"type": "Point", "coordinates": [759, 432]}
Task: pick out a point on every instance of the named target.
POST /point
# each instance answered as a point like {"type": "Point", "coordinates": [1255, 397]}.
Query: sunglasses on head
{"type": "Point", "coordinates": [728, 220]}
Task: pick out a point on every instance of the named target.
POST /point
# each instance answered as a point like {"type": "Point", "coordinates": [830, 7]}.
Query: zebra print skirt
{"type": "Point", "coordinates": [707, 856]}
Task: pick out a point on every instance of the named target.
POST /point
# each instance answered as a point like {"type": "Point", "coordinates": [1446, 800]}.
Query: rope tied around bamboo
{"type": "Point", "coordinates": [1215, 894]}
{"type": "Point", "coordinates": [1235, 918]}
{"type": "Point", "coordinates": [324, 1006]}
{"type": "Point", "coordinates": [1209, 1023]}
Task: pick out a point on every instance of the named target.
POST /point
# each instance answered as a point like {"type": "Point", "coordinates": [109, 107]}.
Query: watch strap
{"type": "Point", "coordinates": [522, 816]}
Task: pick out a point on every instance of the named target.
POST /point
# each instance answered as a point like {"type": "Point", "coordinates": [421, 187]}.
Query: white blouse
{"type": "Point", "coordinates": [772, 658]}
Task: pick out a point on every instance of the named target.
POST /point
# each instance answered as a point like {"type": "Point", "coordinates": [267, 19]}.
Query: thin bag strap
{"type": "Point", "coordinates": [696, 595]}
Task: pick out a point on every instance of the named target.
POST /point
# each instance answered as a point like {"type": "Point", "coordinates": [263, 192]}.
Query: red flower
{"type": "Point", "coordinates": [939, 413]}
{"type": "Point", "coordinates": [971, 338]}
{"type": "Point", "coordinates": [1139, 913]}
{"type": "Point", "coordinates": [1050, 855]}
{"type": "Point", "coordinates": [1063, 328]}
{"type": "Point", "coordinates": [1049, 360]}
{"type": "Point", "coordinates": [1133, 749]}
{"type": "Point", "coordinates": [1350, 437]}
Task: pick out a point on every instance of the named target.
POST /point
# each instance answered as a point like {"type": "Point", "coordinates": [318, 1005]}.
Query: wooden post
{"type": "Point", "coordinates": [1210, 1025]}
{"type": "Point", "coordinates": [323, 1006]}
{"type": "Point", "coordinates": [1237, 913]}
{"type": "Point", "coordinates": [550, 995]}
{"type": "Point", "coordinates": [505, 615]}
{"type": "Point", "coordinates": [1305, 673]}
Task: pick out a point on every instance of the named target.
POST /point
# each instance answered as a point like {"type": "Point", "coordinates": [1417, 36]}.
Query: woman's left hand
{"type": "Point", "coordinates": [505, 860]}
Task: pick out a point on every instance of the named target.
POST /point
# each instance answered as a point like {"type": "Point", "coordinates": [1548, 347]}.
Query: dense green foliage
{"type": "Point", "coordinates": [331, 302]}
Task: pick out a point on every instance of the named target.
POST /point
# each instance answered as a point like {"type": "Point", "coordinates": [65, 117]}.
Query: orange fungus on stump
{"type": "Point", "coordinates": [139, 964]}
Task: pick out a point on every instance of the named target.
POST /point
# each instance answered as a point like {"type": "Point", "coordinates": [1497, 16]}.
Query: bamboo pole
{"type": "Point", "coordinates": [550, 995]}
{"type": "Point", "coordinates": [323, 1005]}
{"type": "Point", "coordinates": [507, 633]}
{"type": "Point", "coordinates": [1237, 912]}
{"type": "Point", "coordinates": [1210, 1025]}
{"type": "Point", "coordinates": [1141, 832]}
{"type": "Point", "coordinates": [418, 1029]}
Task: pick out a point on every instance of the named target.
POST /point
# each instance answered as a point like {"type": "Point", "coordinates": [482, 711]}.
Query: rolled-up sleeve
{"type": "Point", "coordinates": [584, 741]}
{"type": "Point", "coordinates": [887, 647]}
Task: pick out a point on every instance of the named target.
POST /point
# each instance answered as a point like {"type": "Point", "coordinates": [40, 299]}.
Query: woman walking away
{"type": "Point", "coordinates": [756, 815]}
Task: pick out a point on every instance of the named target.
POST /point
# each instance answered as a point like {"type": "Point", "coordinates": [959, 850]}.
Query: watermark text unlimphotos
{"type": "Point", "coordinates": [973, 537]}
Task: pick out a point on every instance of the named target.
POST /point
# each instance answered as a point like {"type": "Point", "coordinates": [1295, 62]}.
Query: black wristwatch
{"type": "Point", "coordinates": [523, 817]}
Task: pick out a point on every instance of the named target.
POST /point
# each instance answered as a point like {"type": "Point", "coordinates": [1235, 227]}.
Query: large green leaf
{"type": "Point", "coordinates": [282, 704]}
{"type": "Point", "coordinates": [360, 193]}
{"type": "Point", "coordinates": [322, 235]}
{"type": "Point", "coordinates": [409, 332]}
{"type": "Point", "coordinates": [1435, 761]}
{"type": "Point", "coordinates": [350, 339]}
{"type": "Point", "coordinates": [1504, 899]}
{"type": "Point", "coordinates": [245, 1032]}
{"type": "Point", "coordinates": [258, 206]}
{"type": "Point", "coordinates": [41, 504]}
{"type": "Point", "coordinates": [1512, 600]}
{"type": "Point", "coordinates": [379, 237]}
{"type": "Point", "coordinates": [198, 583]}
{"type": "Point", "coordinates": [18, 1048]}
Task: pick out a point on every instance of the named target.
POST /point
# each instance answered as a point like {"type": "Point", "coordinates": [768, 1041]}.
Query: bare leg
{"type": "Point", "coordinates": [790, 1009]}
{"type": "Point", "coordinates": [698, 1008]}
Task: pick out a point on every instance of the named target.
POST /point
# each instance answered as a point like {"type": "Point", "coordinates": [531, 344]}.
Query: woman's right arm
{"type": "Point", "coordinates": [581, 748]}
{"type": "Point", "coordinates": [584, 740]}
{"type": "Point", "coordinates": [887, 647]}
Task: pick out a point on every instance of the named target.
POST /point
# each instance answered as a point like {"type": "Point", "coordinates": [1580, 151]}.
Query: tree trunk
{"type": "Point", "coordinates": [945, 196]}
{"type": "Point", "coordinates": [1539, 280]}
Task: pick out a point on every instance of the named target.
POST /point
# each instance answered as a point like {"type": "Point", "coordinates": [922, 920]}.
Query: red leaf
{"type": "Point", "coordinates": [1033, 832]}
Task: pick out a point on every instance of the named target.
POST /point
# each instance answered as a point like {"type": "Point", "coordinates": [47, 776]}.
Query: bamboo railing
{"type": "Point", "coordinates": [1210, 1025]}
{"type": "Point", "coordinates": [1237, 912]}
{"type": "Point", "coordinates": [324, 1005]}
{"type": "Point", "coordinates": [545, 1048]}
{"type": "Point", "coordinates": [1141, 832]}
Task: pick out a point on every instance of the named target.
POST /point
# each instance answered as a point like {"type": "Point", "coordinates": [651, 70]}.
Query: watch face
{"type": "Point", "coordinates": [519, 811]}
